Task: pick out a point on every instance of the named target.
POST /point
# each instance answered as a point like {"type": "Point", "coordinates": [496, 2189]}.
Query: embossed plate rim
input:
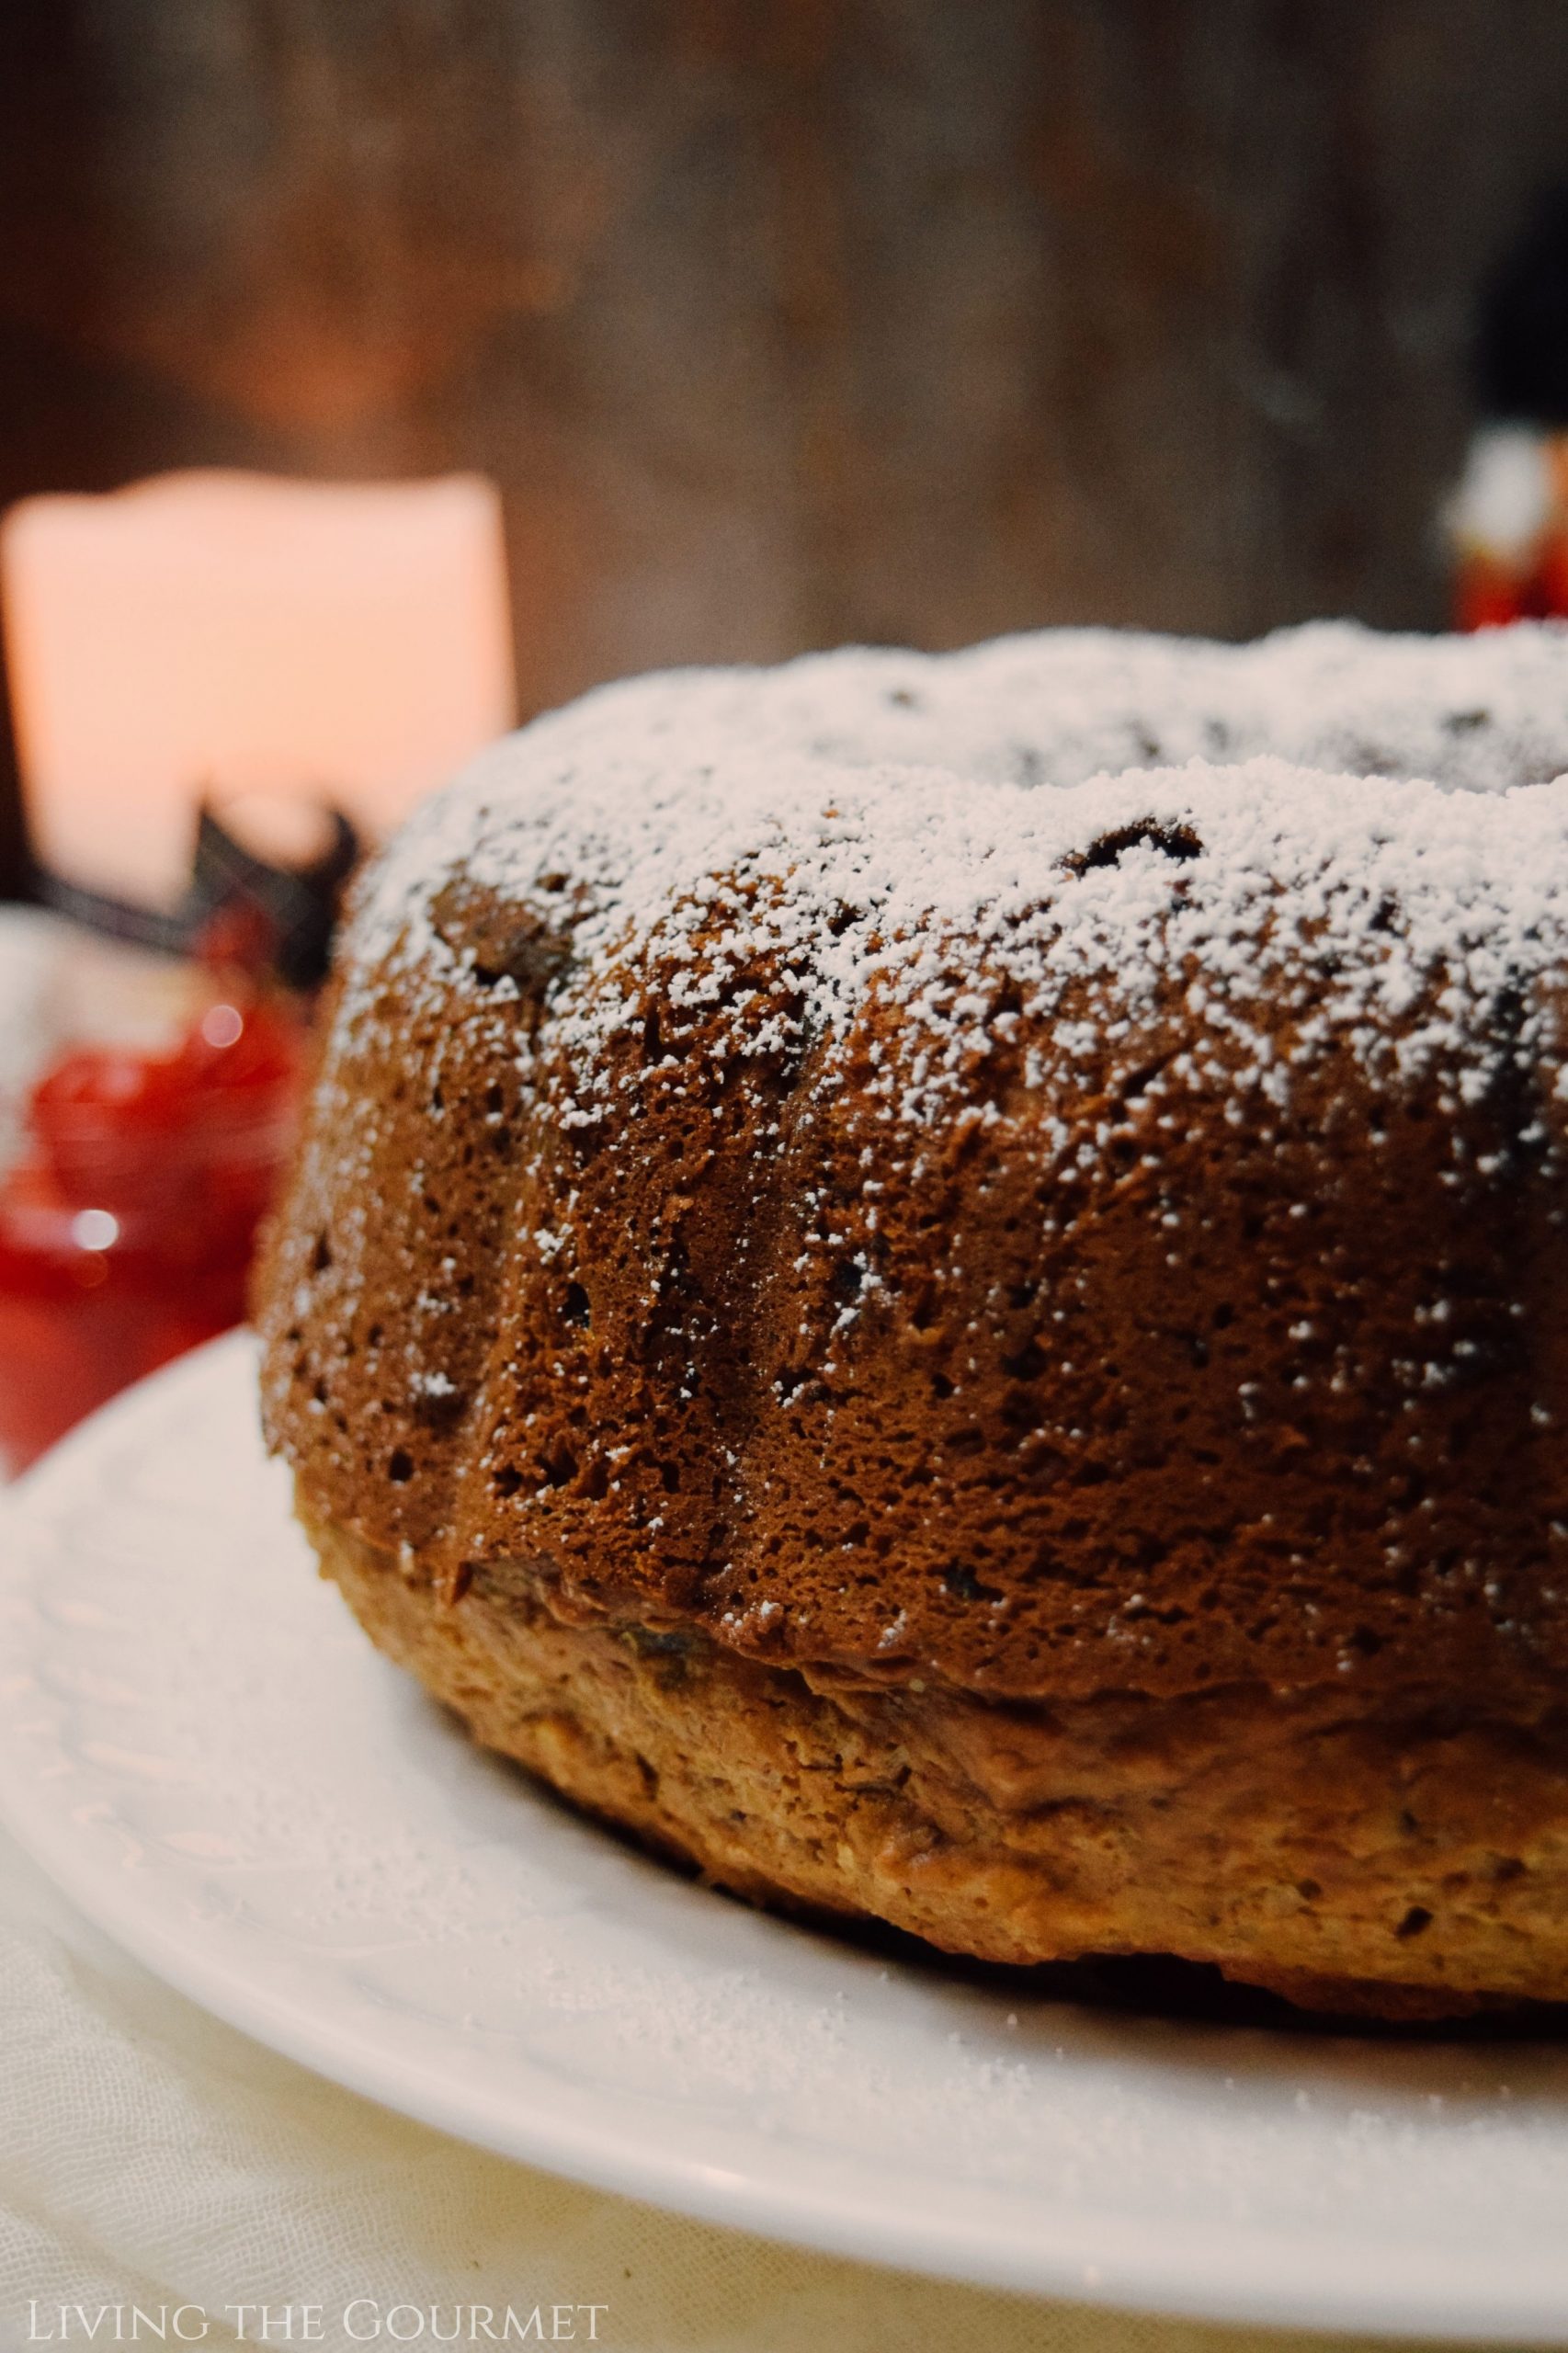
{"type": "Point", "coordinates": [838, 2199]}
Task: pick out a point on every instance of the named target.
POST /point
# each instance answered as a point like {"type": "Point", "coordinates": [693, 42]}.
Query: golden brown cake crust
{"type": "Point", "coordinates": [1056, 1240]}
{"type": "Point", "coordinates": [1399, 1864]}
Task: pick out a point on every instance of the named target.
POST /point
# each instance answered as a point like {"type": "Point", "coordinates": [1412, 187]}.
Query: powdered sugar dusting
{"type": "Point", "coordinates": [1369, 831]}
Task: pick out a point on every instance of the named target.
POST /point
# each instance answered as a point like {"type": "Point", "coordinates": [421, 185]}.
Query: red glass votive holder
{"type": "Point", "coordinates": [129, 1212]}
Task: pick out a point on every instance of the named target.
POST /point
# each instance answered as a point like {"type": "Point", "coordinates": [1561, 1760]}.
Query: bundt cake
{"type": "Point", "coordinates": [939, 1284]}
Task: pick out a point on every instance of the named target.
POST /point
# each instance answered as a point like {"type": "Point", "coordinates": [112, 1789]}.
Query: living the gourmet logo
{"type": "Point", "coordinates": [363, 2320]}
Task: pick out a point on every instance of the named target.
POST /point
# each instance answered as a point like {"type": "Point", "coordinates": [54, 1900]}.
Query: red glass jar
{"type": "Point", "coordinates": [128, 1212]}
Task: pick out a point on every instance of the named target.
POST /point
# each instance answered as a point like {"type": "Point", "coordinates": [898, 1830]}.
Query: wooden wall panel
{"type": "Point", "coordinates": [894, 319]}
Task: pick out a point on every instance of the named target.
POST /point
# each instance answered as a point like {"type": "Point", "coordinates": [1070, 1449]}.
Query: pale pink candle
{"type": "Point", "coordinates": [333, 641]}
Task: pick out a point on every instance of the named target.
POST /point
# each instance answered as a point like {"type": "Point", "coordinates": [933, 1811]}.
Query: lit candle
{"type": "Point", "coordinates": [201, 632]}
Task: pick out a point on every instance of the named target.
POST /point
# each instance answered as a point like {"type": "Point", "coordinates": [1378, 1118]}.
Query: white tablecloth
{"type": "Point", "coordinates": [151, 2156]}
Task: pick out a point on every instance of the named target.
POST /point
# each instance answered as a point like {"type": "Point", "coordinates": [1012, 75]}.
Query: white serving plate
{"type": "Point", "coordinates": [203, 1750]}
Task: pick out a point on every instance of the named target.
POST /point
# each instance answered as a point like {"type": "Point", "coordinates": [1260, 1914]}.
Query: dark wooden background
{"type": "Point", "coordinates": [781, 322]}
